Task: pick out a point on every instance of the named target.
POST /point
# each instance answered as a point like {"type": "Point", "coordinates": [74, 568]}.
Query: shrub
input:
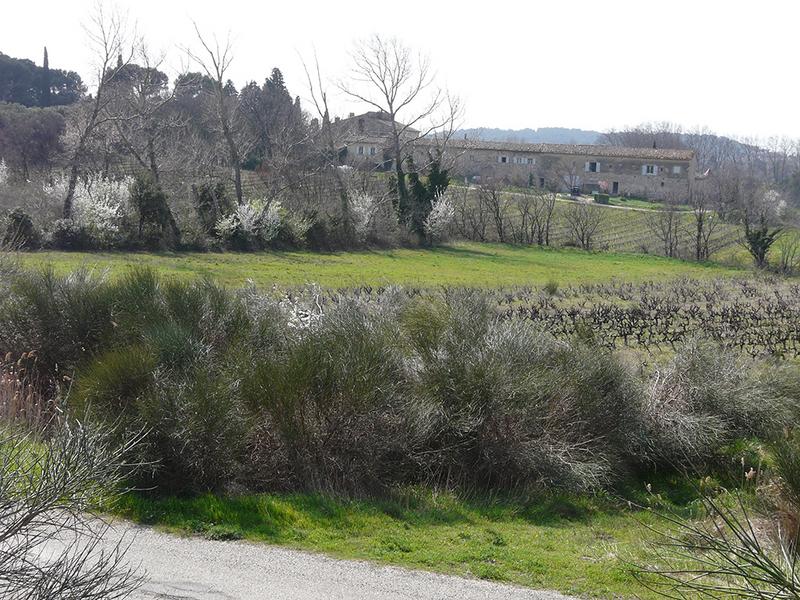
{"type": "Point", "coordinates": [331, 405]}
{"type": "Point", "coordinates": [507, 405]}
{"type": "Point", "coordinates": [67, 234]}
{"type": "Point", "coordinates": [101, 212]}
{"type": "Point", "coordinates": [601, 198]}
{"type": "Point", "coordinates": [374, 220]}
{"type": "Point", "coordinates": [53, 484]}
{"type": "Point", "coordinates": [251, 226]}
{"type": "Point", "coordinates": [157, 227]}
{"type": "Point", "coordinates": [212, 203]}
{"type": "Point", "coordinates": [690, 413]}
{"type": "Point", "coordinates": [723, 556]}
{"type": "Point", "coordinates": [440, 219]}
{"type": "Point", "coordinates": [355, 392]}
{"type": "Point", "coordinates": [20, 232]}
{"type": "Point", "coordinates": [64, 319]}
{"type": "Point", "coordinates": [195, 430]}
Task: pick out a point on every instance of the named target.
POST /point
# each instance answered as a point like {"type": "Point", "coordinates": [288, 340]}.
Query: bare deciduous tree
{"type": "Point", "coordinates": [564, 173]}
{"type": "Point", "coordinates": [215, 61]}
{"type": "Point", "coordinates": [107, 36]}
{"type": "Point", "coordinates": [705, 223]}
{"type": "Point", "coordinates": [140, 109]}
{"type": "Point", "coordinates": [497, 203]}
{"type": "Point", "coordinates": [319, 98]}
{"type": "Point", "coordinates": [387, 76]}
{"type": "Point", "coordinates": [471, 214]}
{"type": "Point", "coordinates": [51, 543]}
{"type": "Point", "coordinates": [534, 216]}
{"type": "Point", "coordinates": [665, 225]}
{"type": "Point", "coordinates": [583, 222]}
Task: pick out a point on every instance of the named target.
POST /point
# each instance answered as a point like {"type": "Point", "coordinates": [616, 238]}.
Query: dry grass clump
{"type": "Point", "coordinates": [22, 401]}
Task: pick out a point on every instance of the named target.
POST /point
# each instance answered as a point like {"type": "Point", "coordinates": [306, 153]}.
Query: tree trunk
{"type": "Point", "coordinates": [233, 153]}
{"type": "Point", "coordinates": [151, 156]}
{"type": "Point", "coordinates": [73, 181]}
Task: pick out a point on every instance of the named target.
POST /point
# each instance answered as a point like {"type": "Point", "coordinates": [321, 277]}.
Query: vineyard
{"type": "Point", "coordinates": [754, 317]}
{"type": "Point", "coordinates": [759, 318]}
{"type": "Point", "coordinates": [627, 230]}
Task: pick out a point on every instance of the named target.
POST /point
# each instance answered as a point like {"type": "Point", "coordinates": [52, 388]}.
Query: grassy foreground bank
{"type": "Point", "coordinates": [463, 264]}
{"type": "Point", "coordinates": [576, 545]}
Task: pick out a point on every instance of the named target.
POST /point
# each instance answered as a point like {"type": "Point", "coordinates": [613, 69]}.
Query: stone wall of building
{"type": "Point", "coordinates": [653, 178]}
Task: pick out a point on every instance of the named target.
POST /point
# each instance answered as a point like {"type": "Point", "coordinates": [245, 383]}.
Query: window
{"type": "Point", "coordinates": [541, 182]}
{"type": "Point", "coordinates": [361, 150]}
{"type": "Point", "coordinates": [531, 160]}
{"type": "Point", "coordinates": [676, 170]}
{"type": "Point", "coordinates": [649, 169]}
{"type": "Point", "coordinates": [372, 150]}
{"type": "Point", "coordinates": [502, 159]}
{"type": "Point", "coordinates": [592, 167]}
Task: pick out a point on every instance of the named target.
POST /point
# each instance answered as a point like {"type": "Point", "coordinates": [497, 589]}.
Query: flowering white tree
{"type": "Point", "coordinates": [100, 204]}
{"type": "Point", "coordinates": [363, 208]}
{"type": "Point", "coordinates": [439, 220]}
{"type": "Point", "coordinates": [256, 220]}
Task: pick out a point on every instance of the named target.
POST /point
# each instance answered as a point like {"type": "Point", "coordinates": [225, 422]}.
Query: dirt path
{"type": "Point", "coordinates": [194, 568]}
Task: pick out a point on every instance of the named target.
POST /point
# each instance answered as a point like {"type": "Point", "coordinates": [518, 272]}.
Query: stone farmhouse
{"type": "Point", "coordinates": [364, 141]}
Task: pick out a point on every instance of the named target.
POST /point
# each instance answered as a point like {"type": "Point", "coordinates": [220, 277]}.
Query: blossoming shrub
{"type": "Point", "coordinates": [440, 219]}
{"type": "Point", "coordinates": [101, 212]}
{"type": "Point", "coordinates": [251, 226]}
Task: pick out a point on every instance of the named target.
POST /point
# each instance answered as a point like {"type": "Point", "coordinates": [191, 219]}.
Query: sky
{"type": "Point", "coordinates": [730, 66]}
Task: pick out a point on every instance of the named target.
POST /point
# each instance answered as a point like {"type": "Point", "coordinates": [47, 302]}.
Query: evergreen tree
{"type": "Point", "coordinates": [422, 193]}
{"type": "Point", "coordinates": [277, 80]}
{"type": "Point", "coordinates": [44, 96]}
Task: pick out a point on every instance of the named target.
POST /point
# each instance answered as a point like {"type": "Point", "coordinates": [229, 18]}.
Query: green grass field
{"type": "Point", "coordinates": [463, 264]}
{"type": "Point", "coordinates": [640, 203]}
{"type": "Point", "coordinates": [575, 545]}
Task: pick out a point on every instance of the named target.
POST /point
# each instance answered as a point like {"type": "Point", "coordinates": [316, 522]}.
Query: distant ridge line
{"type": "Point", "coordinates": [542, 135]}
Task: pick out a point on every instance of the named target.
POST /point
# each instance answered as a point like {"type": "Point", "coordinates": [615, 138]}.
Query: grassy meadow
{"type": "Point", "coordinates": [458, 265]}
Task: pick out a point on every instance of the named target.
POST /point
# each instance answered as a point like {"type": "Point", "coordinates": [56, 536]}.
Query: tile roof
{"type": "Point", "coordinates": [569, 149]}
{"type": "Point", "coordinates": [369, 124]}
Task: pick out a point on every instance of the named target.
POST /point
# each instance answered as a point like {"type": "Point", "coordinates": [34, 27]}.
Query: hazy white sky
{"type": "Point", "coordinates": [729, 65]}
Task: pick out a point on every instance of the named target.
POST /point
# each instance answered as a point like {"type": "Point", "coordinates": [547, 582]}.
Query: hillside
{"type": "Point", "coordinates": [542, 135]}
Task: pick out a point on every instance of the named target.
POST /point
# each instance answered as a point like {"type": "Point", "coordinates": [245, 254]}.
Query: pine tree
{"type": "Point", "coordinates": [277, 79]}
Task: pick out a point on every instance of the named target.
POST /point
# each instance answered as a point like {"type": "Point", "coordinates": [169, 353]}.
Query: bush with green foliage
{"type": "Point", "coordinates": [355, 393]}
{"type": "Point", "coordinates": [705, 398]}
{"type": "Point", "coordinates": [156, 225]}
{"type": "Point", "coordinates": [508, 405]}
{"type": "Point", "coordinates": [67, 234]}
{"type": "Point", "coordinates": [212, 203]}
{"type": "Point", "coordinates": [20, 232]}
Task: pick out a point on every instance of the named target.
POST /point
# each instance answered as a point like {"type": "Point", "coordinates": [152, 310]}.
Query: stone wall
{"type": "Point", "coordinates": [656, 179]}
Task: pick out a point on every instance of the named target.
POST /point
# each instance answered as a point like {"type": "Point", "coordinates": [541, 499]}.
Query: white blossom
{"type": "Point", "coordinates": [438, 222]}
{"type": "Point", "coordinates": [256, 219]}
{"type": "Point", "coordinates": [99, 203]}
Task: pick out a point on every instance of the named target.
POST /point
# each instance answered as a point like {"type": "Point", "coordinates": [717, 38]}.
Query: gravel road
{"type": "Point", "coordinates": [193, 568]}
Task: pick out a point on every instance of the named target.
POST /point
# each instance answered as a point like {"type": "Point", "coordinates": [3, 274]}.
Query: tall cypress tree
{"type": "Point", "coordinates": [44, 92]}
